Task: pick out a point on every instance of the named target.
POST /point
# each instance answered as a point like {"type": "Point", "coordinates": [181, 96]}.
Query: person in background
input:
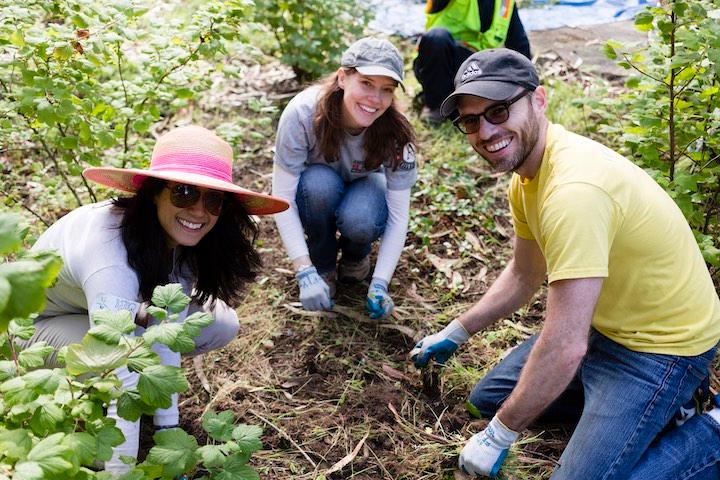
{"type": "Point", "coordinates": [345, 162]}
{"type": "Point", "coordinates": [454, 30]}
{"type": "Point", "coordinates": [186, 223]}
{"type": "Point", "coordinates": [632, 320]}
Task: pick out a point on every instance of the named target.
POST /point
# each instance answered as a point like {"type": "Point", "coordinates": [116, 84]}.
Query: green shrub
{"type": "Point", "coordinates": [83, 81]}
{"type": "Point", "coordinates": [52, 421]}
{"type": "Point", "coordinates": [312, 34]}
{"type": "Point", "coordinates": [672, 110]}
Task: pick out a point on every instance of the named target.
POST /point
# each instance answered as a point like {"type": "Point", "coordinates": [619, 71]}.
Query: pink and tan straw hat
{"type": "Point", "coordinates": [192, 155]}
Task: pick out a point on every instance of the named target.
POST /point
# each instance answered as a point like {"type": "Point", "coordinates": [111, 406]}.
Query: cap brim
{"type": "Point", "coordinates": [130, 179]}
{"type": "Point", "coordinates": [377, 70]}
{"type": "Point", "coordinates": [490, 89]}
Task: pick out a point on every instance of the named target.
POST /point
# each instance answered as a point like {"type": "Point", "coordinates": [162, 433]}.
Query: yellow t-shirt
{"type": "Point", "coordinates": [596, 214]}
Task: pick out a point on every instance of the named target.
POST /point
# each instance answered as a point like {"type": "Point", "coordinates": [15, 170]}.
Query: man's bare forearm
{"type": "Point", "coordinates": [556, 355]}
{"type": "Point", "coordinates": [510, 291]}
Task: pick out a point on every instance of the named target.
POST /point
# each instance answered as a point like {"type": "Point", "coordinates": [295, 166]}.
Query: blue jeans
{"type": "Point", "coordinates": [621, 399]}
{"type": "Point", "coordinates": [327, 204]}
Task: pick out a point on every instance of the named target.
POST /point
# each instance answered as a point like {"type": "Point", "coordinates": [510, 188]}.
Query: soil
{"type": "Point", "coordinates": [582, 47]}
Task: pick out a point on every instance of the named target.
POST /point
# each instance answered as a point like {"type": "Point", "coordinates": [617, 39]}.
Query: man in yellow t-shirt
{"type": "Point", "coordinates": [632, 319]}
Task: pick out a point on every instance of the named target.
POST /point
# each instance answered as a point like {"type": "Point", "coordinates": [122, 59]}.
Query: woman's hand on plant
{"type": "Point", "coordinates": [314, 292]}
{"type": "Point", "coordinates": [379, 303]}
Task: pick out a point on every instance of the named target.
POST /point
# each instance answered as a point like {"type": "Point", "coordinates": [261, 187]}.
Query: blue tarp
{"type": "Point", "coordinates": [407, 17]}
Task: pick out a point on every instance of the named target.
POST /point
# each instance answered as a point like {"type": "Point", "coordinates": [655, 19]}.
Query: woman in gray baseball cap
{"type": "Point", "coordinates": [345, 161]}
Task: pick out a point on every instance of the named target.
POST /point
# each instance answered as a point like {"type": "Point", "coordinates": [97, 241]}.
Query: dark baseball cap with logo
{"type": "Point", "coordinates": [375, 56]}
{"type": "Point", "coordinates": [494, 74]}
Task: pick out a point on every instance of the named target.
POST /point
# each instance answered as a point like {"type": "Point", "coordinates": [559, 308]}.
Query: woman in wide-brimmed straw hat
{"type": "Point", "coordinates": [345, 161]}
{"type": "Point", "coordinates": [186, 223]}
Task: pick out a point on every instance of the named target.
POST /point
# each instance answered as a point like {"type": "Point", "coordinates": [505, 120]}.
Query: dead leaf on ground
{"type": "Point", "coordinates": [347, 458]}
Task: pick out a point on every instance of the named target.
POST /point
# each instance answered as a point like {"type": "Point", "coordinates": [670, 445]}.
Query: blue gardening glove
{"type": "Point", "coordinates": [378, 303]}
{"type": "Point", "coordinates": [485, 452]}
{"type": "Point", "coordinates": [439, 346]}
{"type": "Point", "coordinates": [314, 292]}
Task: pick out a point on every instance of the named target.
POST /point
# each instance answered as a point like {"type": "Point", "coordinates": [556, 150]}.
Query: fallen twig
{"type": "Point", "coordinates": [200, 372]}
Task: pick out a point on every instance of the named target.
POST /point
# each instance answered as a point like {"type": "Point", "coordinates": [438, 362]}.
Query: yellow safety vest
{"type": "Point", "coordinates": [462, 19]}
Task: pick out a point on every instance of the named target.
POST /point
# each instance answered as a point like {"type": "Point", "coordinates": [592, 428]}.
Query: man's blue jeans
{"type": "Point", "coordinates": [622, 401]}
{"type": "Point", "coordinates": [327, 204]}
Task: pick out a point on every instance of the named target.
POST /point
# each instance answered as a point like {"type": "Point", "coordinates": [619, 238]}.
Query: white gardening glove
{"type": "Point", "coordinates": [439, 346]}
{"type": "Point", "coordinates": [314, 292]}
{"type": "Point", "coordinates": [485, 452]}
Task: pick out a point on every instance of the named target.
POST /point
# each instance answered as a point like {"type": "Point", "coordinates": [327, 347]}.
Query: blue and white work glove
{"type": "Point", "coordinates": [378, 303]}
{"type": "Point", "coordinates": [485, 452]}
{"type": "Point", "coordinates": [439, 346]}
{"type": "Point", "coordinates": [314, 292]}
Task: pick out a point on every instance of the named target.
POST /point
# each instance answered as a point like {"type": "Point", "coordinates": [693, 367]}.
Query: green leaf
{"type": "Point", "coordinates": [15, 443]}
{"type": "Point", "coordinates": [211, 456]}
{"type": "Point", "coordinates": [165, 333]}
{"type": "Point", "coordinates": [23, 332]}
{"type": "Point", "coordinates": [83, 447]}
{"type": "Point", "coordinates": [28, 471]}
{"type": "Point", "coordinates": [7, 369]}
{"type": "Point", "coordinates": [194, 323]}
{"type": "Point", "coordinates": [94, 356]}
{"type": "Point", "coordinates": [175, 450]}
{"type": "Point", "coordinates": [219, 426]}
{"type": "Point", "coordinates": [44, 381]}
{"type": "Point", "coordinates": [248, 437]}
{"type": "Point", "coordinates": [5, 293]}
{"type": "Point", "coordinates": [46, 418]}
{"type": "Point", "coordinates": [184, 343]}
{"type": "Point", "coordinates": [159, 382]}
{"type": "Point", "coordinates": [28, 280]}
{"type": "Point", "coordinates": [131, 407]}
{"type": "Point", "coordinates": [105, 439]}
{"type": "Point", "coordinates": [16, 391]}
{"type": "Point", "coordinates": [17, 38]}
{"type": "Point", "coordinates": [158, 313]}
{"type": "Point", "coordinates": [10, 233]}
{"type": "Point", "coordinates": [34, 355]}
{"type": "Point", "coordinates": [141, 358]}
{"type": "Point", "coordinates": [105, 139]}
{"type": "Point", "coordinates": [235, 468]}
{"type": "Point", "coordinates": [474, 411]}
{"type": "Point", "coordinates": [171, 297]}
{"type": "Point", "coordinates": [110, 325]}
{"type": "Point", "coordinates": [51, 455]}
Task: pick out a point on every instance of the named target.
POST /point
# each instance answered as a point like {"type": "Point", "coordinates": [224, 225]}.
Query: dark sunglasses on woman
{"type": "Point", "coordinates": [184, 196]}
{"type": "Point", "coordinates": [495, 114]}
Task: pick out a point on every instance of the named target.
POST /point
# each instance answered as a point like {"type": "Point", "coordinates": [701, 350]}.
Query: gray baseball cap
{"type": "Point", "coordinates": [494, 74]}
{"type": "Point", "coordinates": [374, 56]}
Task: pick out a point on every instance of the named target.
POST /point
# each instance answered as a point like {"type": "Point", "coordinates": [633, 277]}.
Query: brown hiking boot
{"type": "Point", "coordinates": [354, 272]}
{"type": "Point", "coordinates": [331, 279]}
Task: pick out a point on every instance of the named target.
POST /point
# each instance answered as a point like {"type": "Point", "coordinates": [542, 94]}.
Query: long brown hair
{"type": "Point", "coordinates": [384, 139]}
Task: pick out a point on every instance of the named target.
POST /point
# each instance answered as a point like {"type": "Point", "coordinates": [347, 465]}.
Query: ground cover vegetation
{"type": "Point", "coordinates": [86, 83]}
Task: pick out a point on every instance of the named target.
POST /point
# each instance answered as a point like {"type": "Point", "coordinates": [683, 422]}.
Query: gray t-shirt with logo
{"type": "Point", "coordinates": [297, 147]}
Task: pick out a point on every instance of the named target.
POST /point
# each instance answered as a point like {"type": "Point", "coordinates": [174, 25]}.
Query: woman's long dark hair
{"type": "Point", "coordinates": [222, 261]}
{"type": "Point", "coordinates": [384, 139]}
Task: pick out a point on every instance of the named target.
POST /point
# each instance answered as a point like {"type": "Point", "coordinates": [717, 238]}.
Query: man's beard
{"type": "Point", "coordinates": [527, 138]}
